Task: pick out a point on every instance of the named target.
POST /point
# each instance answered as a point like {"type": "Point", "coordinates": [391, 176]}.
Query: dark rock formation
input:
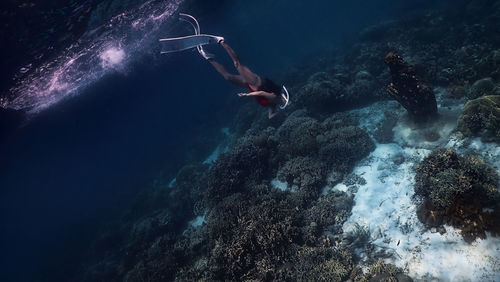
{"type": "Point", "coordinates": [481, 117]}
{"type": "Point", "coordinates": [409, 89]}
{"type": "Point", "coordinates": [458, 190]}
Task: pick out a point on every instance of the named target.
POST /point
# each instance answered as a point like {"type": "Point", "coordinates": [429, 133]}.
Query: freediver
{"type": "Point", "coordinates": [264, 91]}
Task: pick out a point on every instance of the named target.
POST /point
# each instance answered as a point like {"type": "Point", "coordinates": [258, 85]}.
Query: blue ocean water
{"type": "Point", "coordinates": [120, 116]}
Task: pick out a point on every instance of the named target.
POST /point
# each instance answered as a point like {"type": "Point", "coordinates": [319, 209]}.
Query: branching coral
{"type": "Point", "coordinates": [303, 172]}
{"type": "Point", "coordinates": [331, 209]}
{"type": "Point", "coordinates": [383, 272]}
{"type": "Point", "coordinates": [234, 169]}
{"type": "Point", "coordinates": [458, 190]}
{"type": "Point", "coordinates": [297, 136]}
{"type": "Point", "coordinates": [322, 263]}
{"type": "Point", "coordinates": [341, 148]}
{"type": "Point", "coordinates": [265, 230]}
{"type": "Point", "coordinates": [321, 93]}
{"type": "Point", "coordinates": [481, 117]}
{"type": "Point", "coordinates": [480, 88]}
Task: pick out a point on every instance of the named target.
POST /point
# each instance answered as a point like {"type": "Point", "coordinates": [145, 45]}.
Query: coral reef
{"type": "Point", "coordinates": [189, 188]}
{"type": "Point", "coordinates": [303, 172]}
{"type": "Point", "coordinates": [297, 136]}
{"type": "Point", "coordinates": [341, 148]}
{"type": "Point", "coordinates": [481, 117]}
{"type": "Point", "coordinates": [265, 230]}
{"type": "Point", "coordinates": [380, 271]}
{"type": "Point", "coordinates": [233, 169]}
{"type": "Point", "coordinates": [458, 190]}
{"type": "Point", "coordinates": [254, 232]}
{"type": "Point", "coordinates": [330, 212]}
{"type": "Point", "coordinates": [321, 93]}
{"type": "Point", "coordinates": [325, 93]}
{"type": "Point", "coordinates": [480, 88]}
{"type": "Point", "coordinates": [318, 264]}
{"type": "Point", "coordinates": [409, 89]}
{"type": "Point", "coordinates": [332, 148]}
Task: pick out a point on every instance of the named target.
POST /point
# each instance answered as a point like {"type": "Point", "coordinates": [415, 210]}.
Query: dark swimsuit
{"type": "Point", "coordinates": [267, 86]}
{"type": "Point", "coordinates": [261, 100]}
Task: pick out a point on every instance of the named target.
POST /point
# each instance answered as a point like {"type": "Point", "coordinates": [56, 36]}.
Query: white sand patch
{"type": "Point", "coordinates": [214, 155]}
{"type": "Point", "coordinates": [429, 136]}
{"type": "Point", "coordinates": [172, 182]}
{"type": "Point", "coordinates": [197, 221]}
{"type": "Point", "coordinates": [385, 208]}
{"type": "Point", "coordinates": [280, 185]}
{"type": "Point", "coordinates": [221, 148]}
{"type": "Point", "coordinates": [371, 116]}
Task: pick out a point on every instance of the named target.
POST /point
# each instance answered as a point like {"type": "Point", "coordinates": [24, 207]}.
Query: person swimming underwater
{"type": "Point", "coordinates": [264, 91]}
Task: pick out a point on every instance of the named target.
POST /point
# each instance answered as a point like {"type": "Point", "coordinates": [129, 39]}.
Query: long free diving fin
{"type": "Point", "coordinates": [176, 44]}
{"type": "Point", "coordinates": [196, 26]}
{"type": "Point", "coordinates": [197, 40]}
{"type": "Point", "coordinates": [192, 21]}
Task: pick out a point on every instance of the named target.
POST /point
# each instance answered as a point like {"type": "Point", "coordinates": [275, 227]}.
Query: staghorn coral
{"type": "Point", "coordinates": [321, 93]}
{"type": "Point", "coordinates": [362, 87]}
{"type": "Point", "coordinates": [260, 239]}
{"type": "Point", "coordinates": [331, 209]}
{"type": "Point", "coordinates": [341, 148]}
{"type": "Point", "coordinates": [382, 272]}
{"type": "Point", "coordinates": [322, 263]}
{"type": "Point", "coordinates": [458, 190]}
{"type": "Point", "coordinates": [481, 117]}
{"type": "Point", "coordinates": [297, 136]}
{"type": "Point", "coordinates": [189, 188]}
{"type": "Point", "coordinates": [326, 216]}
{"type": "Point", "coordinates": [245, 163]}
{"type": "Point", "coordinates": [303, 172]}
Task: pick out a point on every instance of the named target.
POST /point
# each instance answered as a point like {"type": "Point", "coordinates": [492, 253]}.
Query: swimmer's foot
{"type": "Point", "coordinates": [220, 39]}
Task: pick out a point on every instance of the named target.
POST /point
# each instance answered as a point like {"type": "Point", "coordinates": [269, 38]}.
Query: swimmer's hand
{"type": "Point", "coordinates": [243, 94]}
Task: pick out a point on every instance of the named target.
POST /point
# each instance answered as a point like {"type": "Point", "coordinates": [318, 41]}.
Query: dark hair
{"type": "Point", "coordinates": [270, 87]}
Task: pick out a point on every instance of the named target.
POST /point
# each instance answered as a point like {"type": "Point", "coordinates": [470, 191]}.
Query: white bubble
{"type": "Point", "coordinates": [112, 57]}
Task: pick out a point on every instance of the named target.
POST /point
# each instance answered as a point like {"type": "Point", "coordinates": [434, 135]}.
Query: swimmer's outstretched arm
{"type": "Point", "coordinates": [258, 93]}
{"type": "Point", "coordinates": [272, 110]}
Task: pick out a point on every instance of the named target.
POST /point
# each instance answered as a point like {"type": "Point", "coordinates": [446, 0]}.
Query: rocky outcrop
{"type": "Point", "coordinates": [410, 90]}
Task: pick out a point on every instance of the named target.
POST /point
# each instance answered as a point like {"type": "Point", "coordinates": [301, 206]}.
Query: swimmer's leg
{"type": "Point", "coordinates": [235, 79]}
{"type": "Point", "coordinates": [250, 77]}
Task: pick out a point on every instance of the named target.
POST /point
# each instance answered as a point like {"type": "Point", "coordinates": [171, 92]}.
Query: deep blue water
{"type": "Point", "coordinates": [78, 163]}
